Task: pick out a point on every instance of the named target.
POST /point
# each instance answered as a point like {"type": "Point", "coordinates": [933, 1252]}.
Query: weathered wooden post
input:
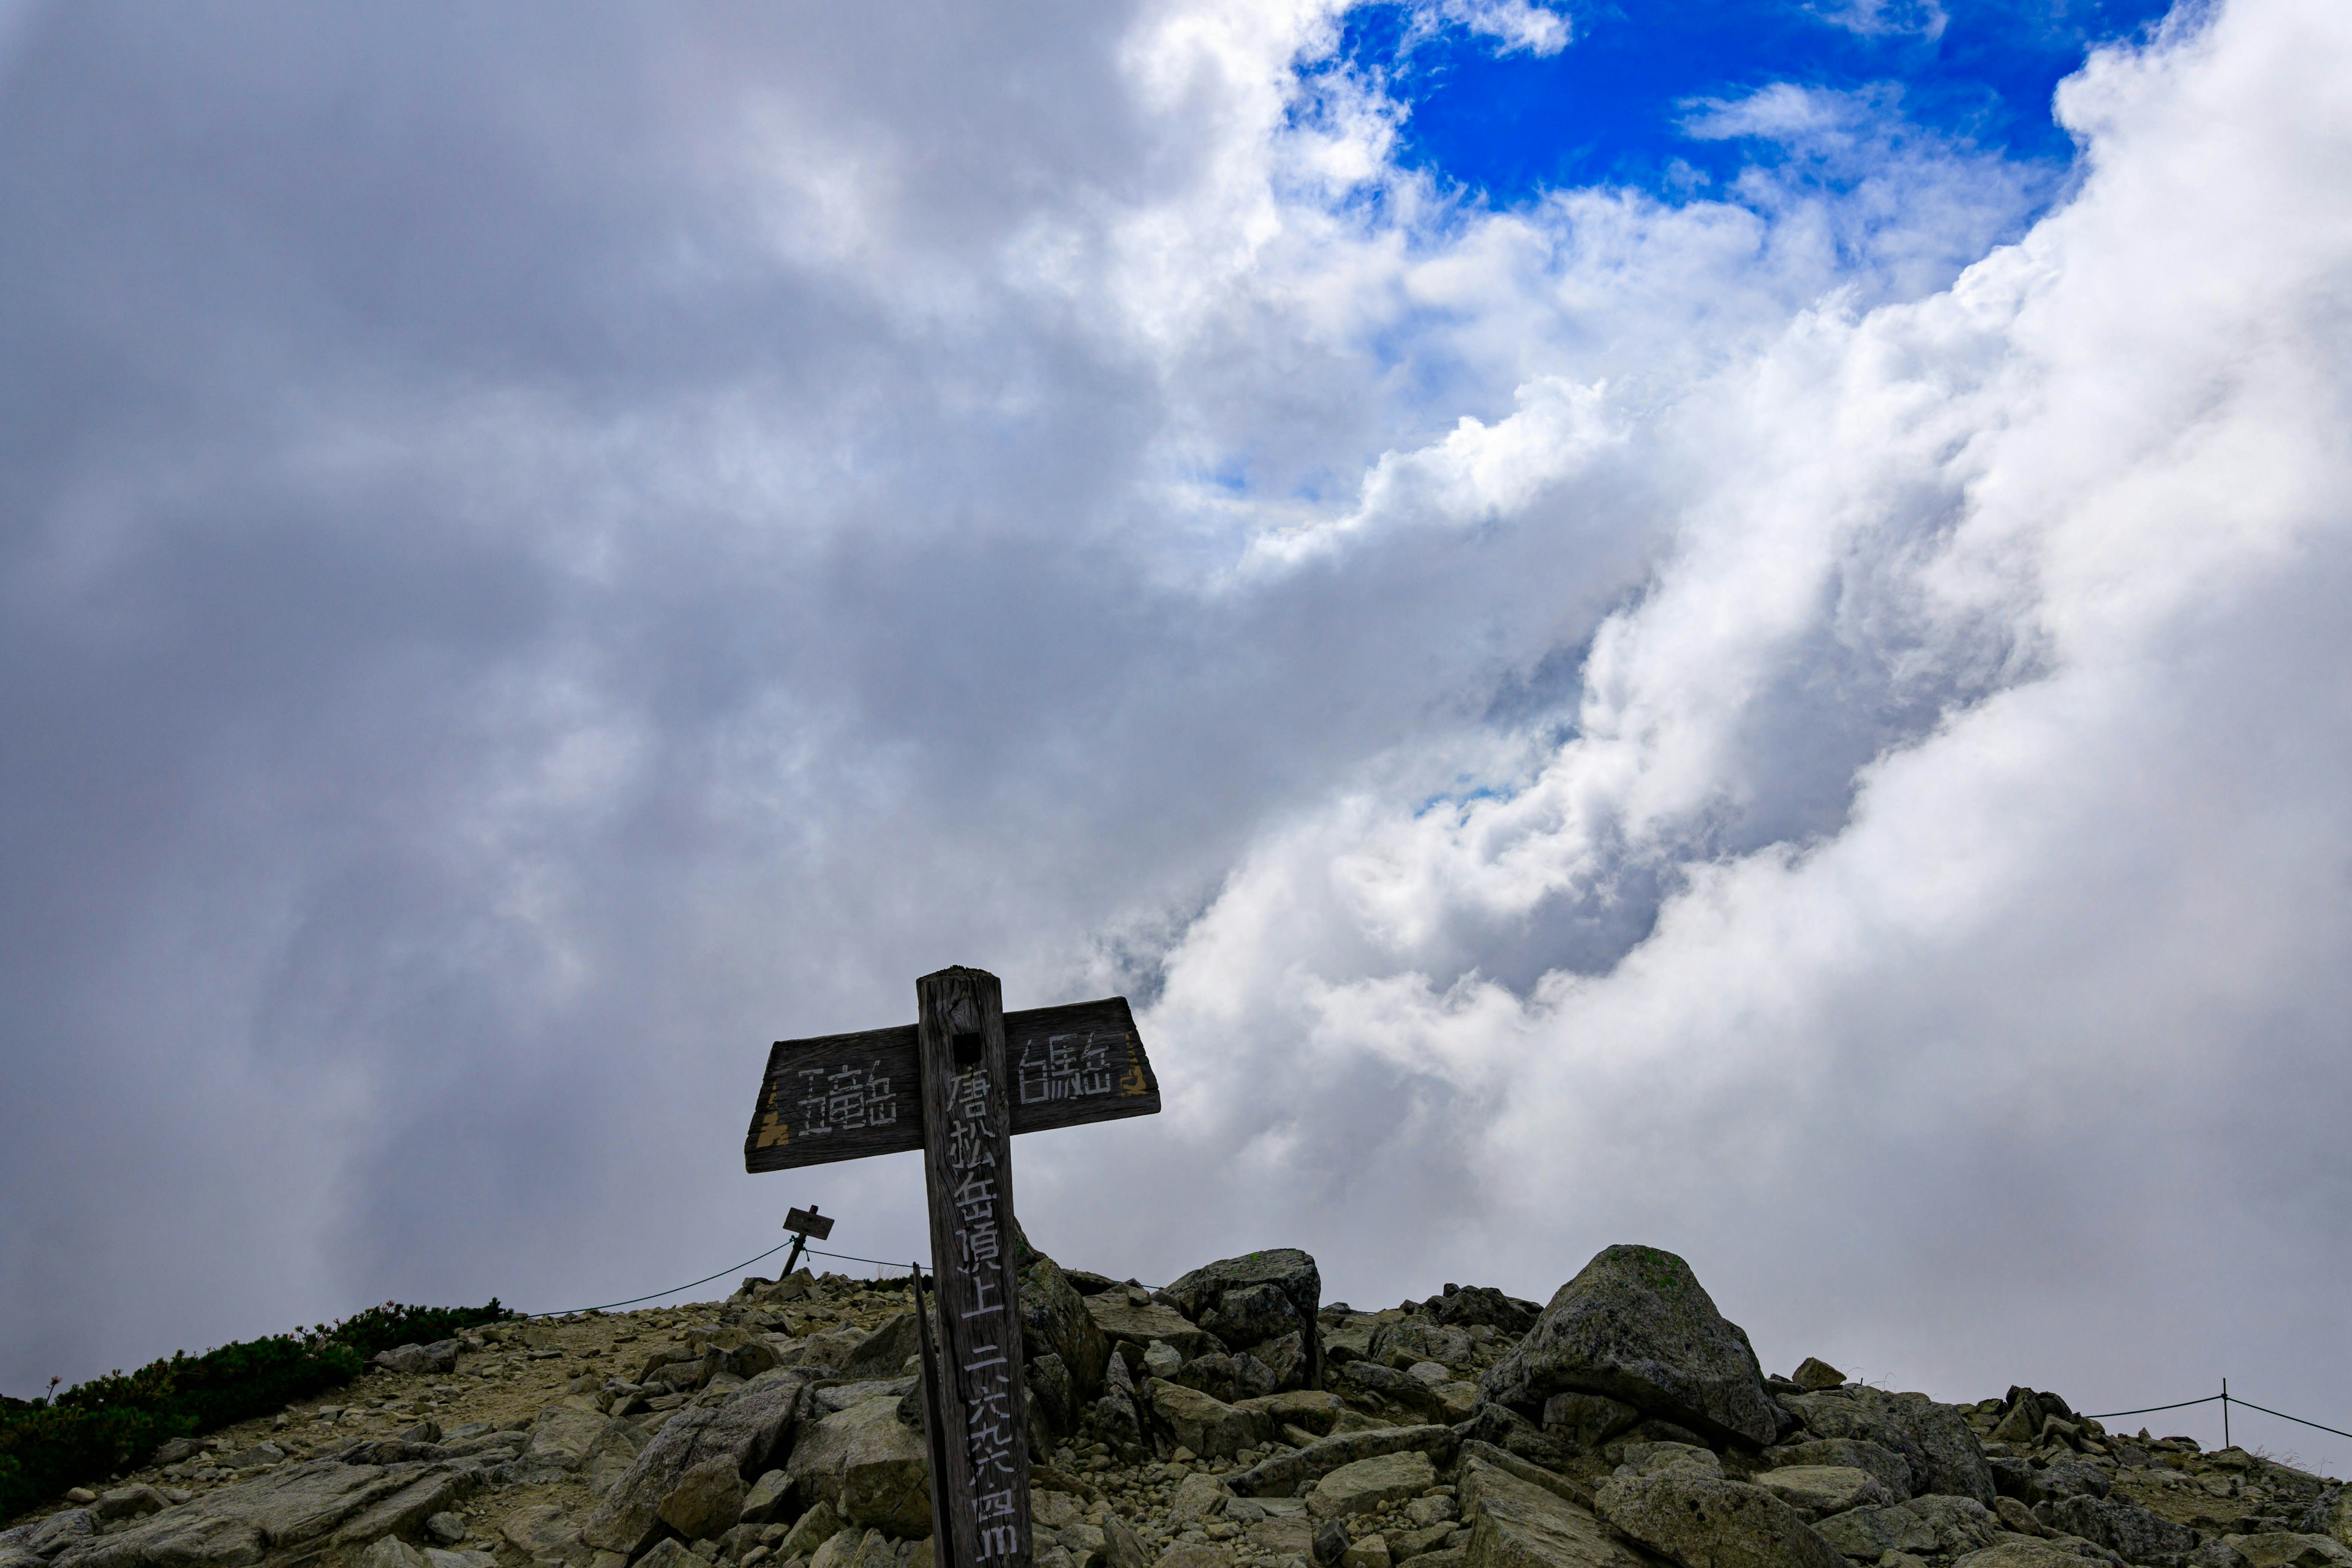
{"type": "Point", "coordinates": [957, 1085]}
{"type": "Point", "coordinates": [967, 1170]}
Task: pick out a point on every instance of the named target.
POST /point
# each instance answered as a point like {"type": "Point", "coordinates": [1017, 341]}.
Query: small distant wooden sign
{"type": "Point", "coordinates": [808, 1223]}
{"type": "Point", "coordinates": [844, 1097]}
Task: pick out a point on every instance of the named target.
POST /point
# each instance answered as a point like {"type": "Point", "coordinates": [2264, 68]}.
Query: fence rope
{"type": "Point", "coordinates": [658, 1295]}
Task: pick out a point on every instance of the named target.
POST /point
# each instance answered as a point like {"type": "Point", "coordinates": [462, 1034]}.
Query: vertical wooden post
{"type": "Point", "coordinates": [934, 1428]}
{"type": "Point", "coordinates": [968, 1173]}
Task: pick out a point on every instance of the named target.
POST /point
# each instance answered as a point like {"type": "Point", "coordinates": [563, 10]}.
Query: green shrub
{"type": "Point", "coordinates": [111, 1423]}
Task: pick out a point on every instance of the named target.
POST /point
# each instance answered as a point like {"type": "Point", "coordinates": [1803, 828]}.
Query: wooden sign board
{"type": "Point", "coordinates": [844, 1097]}
{"type": "Point", "coordinates": [808, 1222]}
{"type": "Point", "coordinates": [957, 1084]}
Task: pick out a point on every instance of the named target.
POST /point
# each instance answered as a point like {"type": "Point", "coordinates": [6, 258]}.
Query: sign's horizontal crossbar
{"type": "Point", "coordinates": [844, 1097]}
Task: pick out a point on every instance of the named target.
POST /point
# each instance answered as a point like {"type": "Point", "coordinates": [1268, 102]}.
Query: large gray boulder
{"type": "Point", "coordinates": [1125, 1316]}
{"type": "Point", "coordinates": [1367, 1486]}
{"type": "Point", "coordinates": [1056, 1322]}
{"type": "Point", "coordinates": [2021, 1551]}
{"type": "Point", "coordinates": [1705, 1522]}
{"type": "Point", "coordinates": [746, 1428]}
{"type": "Point", "coordinates": [1937, 1526]}
{"type": "Point", "coordinates": [1207, 1426]}
{"type": "Point", "coordinates": [883, 1353]}
{"type": "Point", "coordinates": [2124, 1528]}
{"type": "Point", "coordinates": [1934, 1440]}
{"type": "Point", "coordinates": [2289, 1548]}
{"type": "Point", "coordinates": [1258, 1299]}
{"type": "Point", "coordinates": [1816, 1491]}
{"type": "Point", "coordinates": [1635, 1325]}
{"type": "Point", "coordinates": [1280, 1475]}
{"type": "Point", "coordinates": [290, 1506]}
{"type": "Point", "coordinates": [1891, 1468]}
{"type": "Point", "coordinates": [1515, 1523]}
{"type": "Point", "coordinates": [871, 1468]}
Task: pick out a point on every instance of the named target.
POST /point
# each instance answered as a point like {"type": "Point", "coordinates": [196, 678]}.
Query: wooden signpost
{"type": "Point", "coordinates": [804, 1223]}
{"type": "Point", "coordinates": [957, 1084]}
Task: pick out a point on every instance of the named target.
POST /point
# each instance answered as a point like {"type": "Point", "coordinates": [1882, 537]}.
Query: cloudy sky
{"type": "Point", "coordinates": [1716, 624]}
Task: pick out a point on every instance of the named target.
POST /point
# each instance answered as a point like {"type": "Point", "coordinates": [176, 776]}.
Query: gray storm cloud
{"type": "Point", "coordinates": [537, 554]}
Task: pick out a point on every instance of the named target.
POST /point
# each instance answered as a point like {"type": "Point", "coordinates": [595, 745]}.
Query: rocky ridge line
{"type": "Point", "coordinates": [1234, 1420]}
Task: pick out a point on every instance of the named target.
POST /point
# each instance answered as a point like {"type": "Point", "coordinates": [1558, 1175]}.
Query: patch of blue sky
{"type": "Point", "coordinates": [1461, 800]}
{"type": "Point", "coordinates": [1625, 102]}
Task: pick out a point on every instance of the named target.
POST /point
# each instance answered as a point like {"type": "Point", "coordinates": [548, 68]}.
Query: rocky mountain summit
{"type": "Point", "coordinates": [1232, 1420]}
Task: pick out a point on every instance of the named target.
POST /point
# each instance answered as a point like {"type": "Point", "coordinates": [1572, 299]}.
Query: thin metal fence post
{"type": "Point", "coordinates": [2225, 1413]}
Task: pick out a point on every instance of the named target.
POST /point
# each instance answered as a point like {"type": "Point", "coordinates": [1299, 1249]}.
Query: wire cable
{"type": "Point", "coordinates": [2284, 1416]}
{"type": "Point", "coordinates": [2152, 1409]}
{"type": "Point", "coordinates": [658, 1295]}
{"type": "Point", "coordinates": [671, 1291]}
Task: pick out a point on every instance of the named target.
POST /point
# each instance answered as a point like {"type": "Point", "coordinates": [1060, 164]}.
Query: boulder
{"type": "Point", "coordinates": [1116, 1418]}
{"type": "Point", "coordinates": [1367, 1486]}
{"type": "Point", "coordinates": [287, 1507]}
{"type": "Point", "coordinates": [1198, 1497]}
{"type": "Point", "coordinates": [1817, 1490]}
{"type": "Point", "coordinates": [1813, 1374]}
{"type": "Point", "coordinates": [1196, 1554]}
{"type": "Point", "coordinates": [2288, 1549]}
{"type": "Point", "coordinates": [1585, 1421]}
{"type": "Point", "coordinates": [1508, 1430]}
{"type": "Point", "coordinates": [1933, 1526]}
{"type": "Point", "coordinates": [1280, 1475]}
{"type": "Point", "coordinates": [1515, 1523]}
{"type": "Point", "coordinates": [439, 1356]}
{"type": "Point", "coordinates": [744, 1428]}
{"type": "Point", "coordinates": [1123, 1319]}
{"type": "Point", "coordinates": [405, 1511]}
{"type": "Point", "coordinates": [1892, 1470]}
{"type": "Point", "coordinates": [1411, 1340]}
{"type": "Point", "coordinates": [1401, 1389]}
{"type": "Point", "coordinates": [392, 1553]}
{"type": "Point", "coordinates": [1235, 1292]}
{"type": "Point", "coordinates": [1670, 1460]}
{"type": "Point", "coordinates": [1704, 1522]}
{"type": "Point", "coordinates": [1635, 1325]}
{"type": "Point", "coordinates": [1253, 1314]}
{"type": "Point", "coordinates": [766, 1498]}
{"type": "Point", "coordinates": [1934, 1440]}
{"type": "Point", "coordinates": [869, 1466]}
{"type": "Point", "coordinates": [1055, 1320]}
{"type": "Point", "coordinates": [1230, 1378]}
{"type": "Point", "coordinates": [608, 1458]}
{"type": "Point", "coordinates": [1053, 1399]}
{"type": "Point", "coordinates": [883, 1353]}
{"type": "Point", "coordinates": [2330, 1514]}
{"type": "Point", "coordinates": [1122, 1548]}
{"type": "Point", "coordinates": [1285, 1358]}
{"type": "Point", "coordinates": [1468, 1306]}
{"type": "Point", "coordinates": [1207, 1426]}
{"type": "Point", "coordinates": [2030, 1484]}
{"type": "Point", "coordinates": [816, 1526]}
{"type": "Point", "coordinates": [2019, 1552]}
{"type": "Point", "coordinates": [542, 1532]}
{"type": "Point", "coordinates": [1313, 1410]}
{"type": "Point", "coordinates": [2121, 1527]}
{"type": "Point", "coordinates": [706, 1501]}
{"type": "Point", "coordinates": [562, 1434]}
